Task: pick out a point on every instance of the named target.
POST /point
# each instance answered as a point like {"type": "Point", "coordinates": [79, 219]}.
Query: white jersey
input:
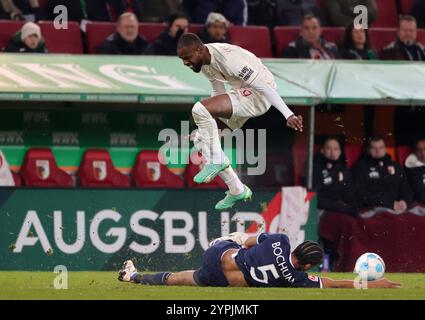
{"type": "Point", "coordinates": [236, 66]}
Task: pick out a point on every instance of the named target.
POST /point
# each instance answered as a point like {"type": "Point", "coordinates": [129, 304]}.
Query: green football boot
{"type": "Point", "coordinates": [230, 200]}
{"type": "Point", "coordinates": [210, 171]}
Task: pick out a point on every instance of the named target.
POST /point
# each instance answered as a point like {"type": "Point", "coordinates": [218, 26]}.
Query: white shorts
{"type": "Point", "coordinates": [246, 104]}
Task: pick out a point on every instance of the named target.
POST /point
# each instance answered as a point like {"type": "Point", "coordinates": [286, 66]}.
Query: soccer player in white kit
{"type": "Point", "coordinates": [252, 94]}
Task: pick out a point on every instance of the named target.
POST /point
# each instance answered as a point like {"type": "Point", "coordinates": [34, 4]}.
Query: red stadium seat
{"type": "Point", "coordinates": [149, 172]}
{"type": "Point", "coordinates": [39, 169]}
{"type": "Point", "coordinates": [252, 38]}
{"type": "Point", "coordinates": [97, 171]}
{"type": "Point", "coordinates": [421, 36]}
{"type": "Point", "coordinates": [151, 31]}
{"type": "Point", "coordinates": [192, 170]}
{"type": "Point", "coordinates": [387, 14]}
{"type": "Point", "coordinates": [283, 36]}
{"type": "Point", "coordinates": [96, 32]}
{"type": "Point", "coordinates": [62, 40]}
{"type": "Point", "coordinates": [402, 154]}
{"type": "Point", "coordinates": [352, 154]}
{"type": "Point", "coordinates": [381, 37]}
{"type": "Point", "coordinates": [406, 6]}
{"type": "Point", "coordinates": [17, 178]}
{"type": "Point", "coordinates": [334, 35]}
{"type": "Point", "coordinates": [8, 30]}
{"type": "Point", "coordinates": [196, 28]}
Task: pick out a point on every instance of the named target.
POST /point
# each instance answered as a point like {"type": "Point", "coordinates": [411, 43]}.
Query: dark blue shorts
{"type": "Point", "coordinates": [210, 274]}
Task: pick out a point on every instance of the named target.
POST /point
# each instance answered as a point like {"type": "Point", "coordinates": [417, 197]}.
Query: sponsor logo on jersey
{"type": "Point", "coordinates": [245, 73]}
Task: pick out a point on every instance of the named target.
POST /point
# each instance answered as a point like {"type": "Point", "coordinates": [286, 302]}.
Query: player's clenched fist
{"type": "Point", "coordinates": [295, 122]}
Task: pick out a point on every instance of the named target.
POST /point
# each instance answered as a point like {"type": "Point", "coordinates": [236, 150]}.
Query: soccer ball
{"type": "Point", "coordinates": [369, 267]}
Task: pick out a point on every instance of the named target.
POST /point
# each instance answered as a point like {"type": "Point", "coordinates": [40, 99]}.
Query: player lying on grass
{"type": "Point", "coordinates": [240, 260]}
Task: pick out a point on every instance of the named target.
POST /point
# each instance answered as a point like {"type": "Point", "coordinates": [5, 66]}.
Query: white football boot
{"type": "Point", "coordinates": [127, 269]}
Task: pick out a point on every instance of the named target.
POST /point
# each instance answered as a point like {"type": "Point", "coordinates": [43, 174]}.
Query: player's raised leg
{"type": "Point", "coordinates": [205, 114]}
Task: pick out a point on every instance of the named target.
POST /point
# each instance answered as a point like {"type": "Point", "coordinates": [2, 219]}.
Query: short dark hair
{"type": "Point", "coordinates": [175, 16]}
{"type": "Point", "coordinates": [310, 16]}
{"type": "Point", "coordinates": [406, 17]}
{"type": "Point", "coordinates": [309, 252]}
{"type": "Point", "coordinates": [189, 40]}
{"type": "Point", "coordinates": [375, 138]}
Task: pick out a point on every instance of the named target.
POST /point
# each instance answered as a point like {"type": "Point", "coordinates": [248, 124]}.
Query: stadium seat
{"type": "Point", "coordinates": [192, 170]}
{"type": "Point", "coordinates": [387, 14]}
{"type": "Point", "coordinates": [17, 178]}
{"type": "Point", "coordinates": [151, 31]}
{"type": "Point", "coordinates": [278, 172]}
{"type": "Point", "coordinates": [402, 154]}
{"type": "Point", "coordinates": [96, 32]}
{"type": "Point", "coordinates": [406, 6]}
{"type": "Point", "coordinates": [283, 36]}
{"type": "Point", "coordinates": [421, 36]}
{"type": "Point", "coordinates": [7, 31]}
{"type": "Point", "coordinates": [39, 169]}
{"type": "Point", "coordinates": [195, 28]}
{"type": "Point", "coordinates": [62, 40]}
{"type": "Point", "coordinates": [252, 38]}
{"type": "Point", "coordinates": [97, 171]}
{"type": "Point", "coordinates": [352, 154]}
{"type": "Point", "coordinates": [381, 37]}
{"type": "Point", "coordinates": [334, 35]}
{"type": "Point", "coordinates": [149, 172]}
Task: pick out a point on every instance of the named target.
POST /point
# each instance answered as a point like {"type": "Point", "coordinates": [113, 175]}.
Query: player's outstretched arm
{"type": "Point", "coordinates": [293, 121]}
{"type": "Point", "coordinates": [381, 283]}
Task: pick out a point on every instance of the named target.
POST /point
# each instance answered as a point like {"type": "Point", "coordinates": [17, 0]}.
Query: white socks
{"type": "Point", "coordinates": [232, 180]}
{"type": "Point", "coordinates": [207, 140]}
{"type": "Point", "coordinates": [208, 132]}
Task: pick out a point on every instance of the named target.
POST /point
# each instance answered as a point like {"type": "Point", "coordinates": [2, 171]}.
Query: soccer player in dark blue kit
{"type": "Point", "coordinates": [239, 260]}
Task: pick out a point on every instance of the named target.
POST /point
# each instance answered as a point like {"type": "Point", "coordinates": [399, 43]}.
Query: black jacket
{"type": "Point", "coordinates": [415, 172]}
{"type": "Point", "coordinates": [334, 186]}
{"type": "Point", "coordinates": [164, 45]}
{"type": "Point", "coordinates": [301, 49]}
{"type": "Point", "coordinates": [115, 44]}
{"type": "Point", "coordinates": [17, 45]}
{"type": "Point", "coordinates": [397, 50]}
{"type": "Point", "coordinates": [380, 182]}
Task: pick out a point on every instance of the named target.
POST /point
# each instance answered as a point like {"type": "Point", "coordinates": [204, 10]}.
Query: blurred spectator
{"type": "Point", "coordinates": [236, 11]}
{"type": "Point", "coordinates": [110, 10]}
{"type": "Point", "coordinates": [418, 11]}
{"type": "Point", "coordinates": [261, 12]}
{"type": "Point", "coordinates": [77, 10]}
{"type": "Point", "coordinates": [166, 44]}
{"type": "Point", "coordinates": [21, 9]}
{"type": "Point", "coordinates": [405, 47]}
{"type": "Point", "coordinates": [341, 12]}
{"type": "Point", "coordinates": [310, 44]}
{"type": "Point", "coordinates": [380, 181]}
{"type": "Point", "coordinates": [3, 15]}
{"type": "Point", "coordinates": [126, 40]}
{"type": "Point", "coordinates": [356, 44]}
{"type": "Point", "coordinates": [292, 12]}
{"type": "Point", "coordinates": [159, 10]}
{"type": "Point", "coordinates": [6, 177]}
{"type": "Point", "coordinates": [215, 29]}
{"type": "Point", "coordinates": [415, 171]}
{"type": "Point", "coordinates": [28, 40]}
{"type": "Point", "coordinates": [332, 180]}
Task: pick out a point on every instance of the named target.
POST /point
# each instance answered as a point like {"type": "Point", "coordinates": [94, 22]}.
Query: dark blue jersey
{"type": "Point", "coordinates": [268, 264]}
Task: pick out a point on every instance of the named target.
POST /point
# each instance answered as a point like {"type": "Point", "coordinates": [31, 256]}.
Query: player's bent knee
{"type": "Point", "coordinates": [200, 112]}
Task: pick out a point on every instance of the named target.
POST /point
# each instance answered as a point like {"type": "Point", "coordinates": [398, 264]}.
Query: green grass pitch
{"type": "Point", "coordinates": [104, 285]}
